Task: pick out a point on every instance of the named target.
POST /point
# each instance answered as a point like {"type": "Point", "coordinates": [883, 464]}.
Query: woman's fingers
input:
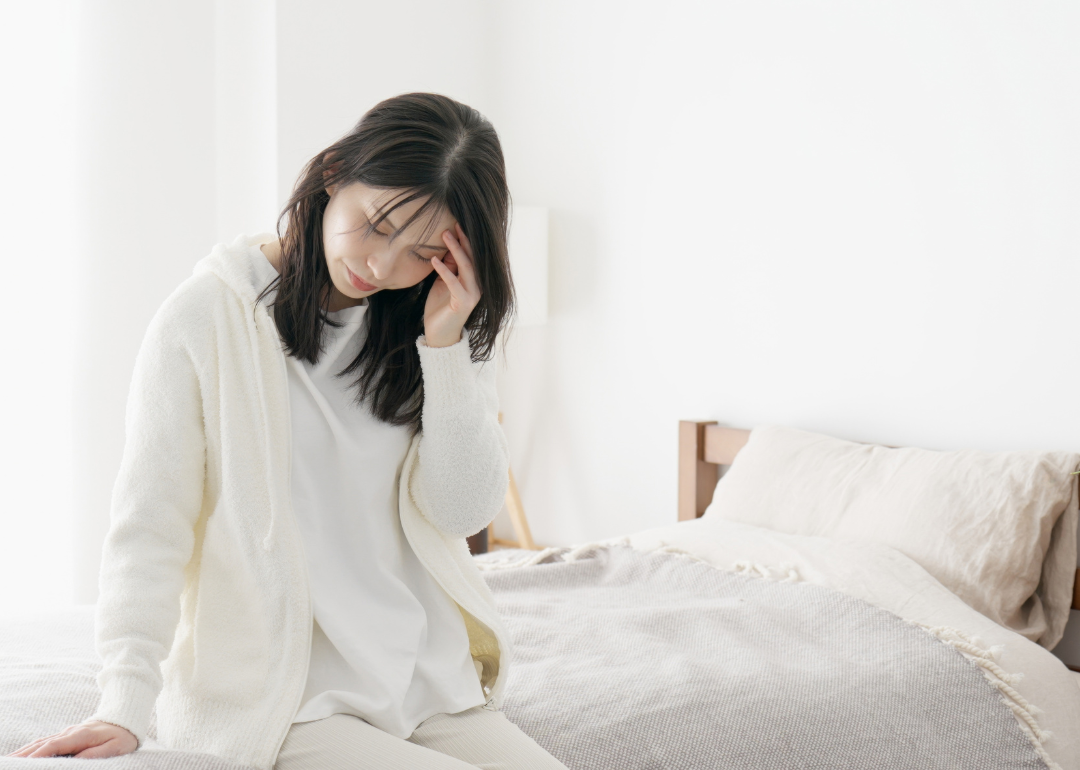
{"type": "Point", "coordinates": [96, 739]}
{"type": "Point", "coordinates": [463, 238]}
{"type": "Point", "coordinates": [463, 256]}
{"type": "Point", "coordinates": [62, 745]}
{"type": "Point", "coordinates": [457, 291]}
{"type": "Point", "coordinates": [25, 750]}
{"type": "Point", "coordinates": [466, 246]}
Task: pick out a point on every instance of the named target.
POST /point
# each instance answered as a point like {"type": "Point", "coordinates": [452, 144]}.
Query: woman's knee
{"type": "Point", "coordinates": [486, 738]}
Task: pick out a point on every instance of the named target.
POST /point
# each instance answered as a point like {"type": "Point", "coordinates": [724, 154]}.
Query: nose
{"type": "Point", "coordinates": [379, 262]}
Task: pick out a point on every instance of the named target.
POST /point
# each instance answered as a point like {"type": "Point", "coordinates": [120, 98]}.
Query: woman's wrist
{"type": "Point", "coordinates": [443, 341]}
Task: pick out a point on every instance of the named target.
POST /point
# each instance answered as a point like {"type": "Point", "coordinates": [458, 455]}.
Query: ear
{"type": "Point", "coordinates": [329, 167]}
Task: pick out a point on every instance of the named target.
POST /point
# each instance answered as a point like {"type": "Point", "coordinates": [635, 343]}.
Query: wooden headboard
{"type": "Point", "coordinates": [704, 446]}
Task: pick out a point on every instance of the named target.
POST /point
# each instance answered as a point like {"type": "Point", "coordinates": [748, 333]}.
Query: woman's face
{"type": "Point", "coordinates": [362, 264]}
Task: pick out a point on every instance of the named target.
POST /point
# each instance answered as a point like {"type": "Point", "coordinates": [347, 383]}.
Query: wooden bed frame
{"type": "Point", "coordinates": [704, 446]}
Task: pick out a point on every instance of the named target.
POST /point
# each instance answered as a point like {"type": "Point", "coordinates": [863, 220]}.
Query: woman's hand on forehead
{"type": "Point", "coordinates": [454, 294]}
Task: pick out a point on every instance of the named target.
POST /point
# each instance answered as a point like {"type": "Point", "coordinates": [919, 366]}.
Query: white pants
{"type": "Point", "coordinates": [471, 739]}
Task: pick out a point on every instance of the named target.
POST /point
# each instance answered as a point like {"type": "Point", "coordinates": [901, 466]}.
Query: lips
{"type": "Point", "coordinates": [359, 282]}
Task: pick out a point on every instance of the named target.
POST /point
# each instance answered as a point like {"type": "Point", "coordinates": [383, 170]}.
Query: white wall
{"type": "Point", "coordinates": [854, 218]}
{"type": "Point", "coordinates": [245, 117]}
{"type": "Point", "coordinates": [338, 58]}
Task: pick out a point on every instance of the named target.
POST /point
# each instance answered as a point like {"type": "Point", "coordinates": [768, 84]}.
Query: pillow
{"type": "Point", "coordinates": [998, 529]}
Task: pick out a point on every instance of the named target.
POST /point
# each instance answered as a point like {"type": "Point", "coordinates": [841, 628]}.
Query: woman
{"type": "Point", "coordinates": [311, 434]}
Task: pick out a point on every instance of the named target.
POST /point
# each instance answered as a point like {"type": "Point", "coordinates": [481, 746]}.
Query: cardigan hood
{"type": "Point", "coordinates": [204, 610]}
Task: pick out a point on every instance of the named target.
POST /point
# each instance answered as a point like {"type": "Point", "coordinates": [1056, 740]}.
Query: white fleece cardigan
{"type": "Point", "coordinates": [204, 603]}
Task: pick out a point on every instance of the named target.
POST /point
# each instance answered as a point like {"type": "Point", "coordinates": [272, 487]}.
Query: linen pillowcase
{"type": "Point", "coordinates": [998, 529]}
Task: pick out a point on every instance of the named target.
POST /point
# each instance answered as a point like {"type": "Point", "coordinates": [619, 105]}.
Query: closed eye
{"type": "Point", "coordinates": [372, 231]}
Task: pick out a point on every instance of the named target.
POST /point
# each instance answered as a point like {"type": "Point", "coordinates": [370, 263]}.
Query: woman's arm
{"type": "Point", "coordinates": [462, 474]}
{"type": "Point", "coordinates": [156, 501]}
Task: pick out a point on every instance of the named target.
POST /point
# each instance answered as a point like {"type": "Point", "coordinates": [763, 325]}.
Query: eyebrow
{"type": "Point", "coordinates": [419, 245]}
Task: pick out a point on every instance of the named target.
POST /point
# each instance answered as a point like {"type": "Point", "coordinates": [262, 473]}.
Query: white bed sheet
{"type": "Point", "coordinates": [887, 579]}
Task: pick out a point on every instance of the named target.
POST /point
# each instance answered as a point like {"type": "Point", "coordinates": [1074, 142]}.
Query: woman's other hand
{"type": "Point", "coordinates": [88, 740]}
{"type": "Point", "coordinates": [453, 297]}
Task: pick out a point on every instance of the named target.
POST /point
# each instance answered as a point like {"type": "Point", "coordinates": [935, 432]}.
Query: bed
{"type": "Point", "coordinates": [711, 642]}
{"type": "Point", "coordinates": [715, 642]}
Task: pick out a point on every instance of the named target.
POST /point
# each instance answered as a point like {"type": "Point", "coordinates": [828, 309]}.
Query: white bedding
{"type": "Point", "coordinates": [886, 578]}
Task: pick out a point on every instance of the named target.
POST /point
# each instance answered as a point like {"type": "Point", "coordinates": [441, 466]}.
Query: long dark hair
{"type": "Point", "coordinates": [424, 145]}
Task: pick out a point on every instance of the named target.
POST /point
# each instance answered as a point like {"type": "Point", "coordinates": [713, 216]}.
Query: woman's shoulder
{"type": "Point", "coordinates": [193, 302]}
{"type": "Point", "coordinates": [222, 286]}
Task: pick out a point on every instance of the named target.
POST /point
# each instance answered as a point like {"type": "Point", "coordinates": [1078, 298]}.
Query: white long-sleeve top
{"type": "Point", "coordinates": [204, 607]}
{"type": "Point", "coordinates": [389, 645]}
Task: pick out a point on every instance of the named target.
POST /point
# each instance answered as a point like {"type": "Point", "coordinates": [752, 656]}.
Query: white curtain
{"type": "Point", "coordinates": [37, 309]}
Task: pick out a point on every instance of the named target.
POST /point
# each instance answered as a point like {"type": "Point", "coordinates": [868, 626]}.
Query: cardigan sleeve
{"type": "Point", "coordinates": [462, 474]}
{"type": "Point", "coordinates": [156, 501]}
